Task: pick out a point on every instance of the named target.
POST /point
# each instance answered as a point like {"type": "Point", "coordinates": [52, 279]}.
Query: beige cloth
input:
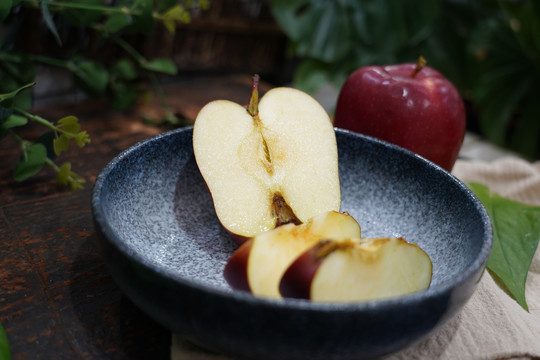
{"type": "Point", "coordinates": [491, 325]}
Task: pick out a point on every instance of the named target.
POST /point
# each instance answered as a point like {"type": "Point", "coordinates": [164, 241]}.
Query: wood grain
{"type": "Point", "coordinates": [57, 298]}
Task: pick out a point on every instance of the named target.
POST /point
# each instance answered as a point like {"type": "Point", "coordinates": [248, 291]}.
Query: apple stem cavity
{"type": "Point", "coordinates": [419, 65]}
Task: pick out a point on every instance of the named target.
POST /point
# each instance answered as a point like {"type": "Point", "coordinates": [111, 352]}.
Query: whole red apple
{"type": "Point", "coordinates": [410, 105]}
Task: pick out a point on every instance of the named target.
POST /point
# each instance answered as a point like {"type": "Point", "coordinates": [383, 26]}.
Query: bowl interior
{"type": "Point", "coordinates": [155, 206]}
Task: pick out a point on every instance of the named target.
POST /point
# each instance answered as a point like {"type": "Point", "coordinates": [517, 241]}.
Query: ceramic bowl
{"type": "Point", "coordinates": [166, 250]}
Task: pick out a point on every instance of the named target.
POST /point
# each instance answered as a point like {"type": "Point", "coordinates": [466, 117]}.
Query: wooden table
{"type": "Point", "coordinates": [57, 299]}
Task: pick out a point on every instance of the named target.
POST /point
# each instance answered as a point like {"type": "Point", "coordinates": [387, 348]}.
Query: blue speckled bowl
{"type": "Point", "coordinates": [166, 250]}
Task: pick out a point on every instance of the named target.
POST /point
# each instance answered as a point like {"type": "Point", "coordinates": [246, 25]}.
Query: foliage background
{"type": "Point", "coordinates": [98, 44]}
{"type": "Point", "coordinates": [489, 49]}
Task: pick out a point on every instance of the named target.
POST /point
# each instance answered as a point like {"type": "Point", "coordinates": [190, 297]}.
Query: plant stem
{"type": "Point", "coordinates": [69, 5]}
{"type": "Point", "coordinates": [36, 118]}
{"type": "Point", "coordinates": [130, 50]}
{"type": "Point", "coordinates": [52, 164]}
{"type": "Point", "coordinates": [17, 137]}
{"type": "Point", "coordinates": [44, 122]}
{"type": "Point", "coordinates": [24, 143]}
{"type": "Point", "coordinates": [161, 95]}
{"type": "Point", "coordinates": [49, 60]}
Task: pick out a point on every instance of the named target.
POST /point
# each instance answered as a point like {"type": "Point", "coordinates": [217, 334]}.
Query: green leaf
{"type": "Point", "coordinates": [5, 8]}
{"type": "Point", "coordinates": [60, 144]}
{"type": "Point", "coordinates": [32, 160]}
{"type": "Point", "coordinates": [69, 128]}
{"type": "Point", "coordinates": [5, 351]}
{"type": "Point", "coordinates": [17, 68]}
{"type": "Point", "coordinates": [11, 122]}
{"type": "Point", "coordinates": [67, 177]}
{"type": "Point", "coordinates": [445, 47]}
{"type": "Point", "coordinates": [348, 34]}
{"type": "Point", "coordinates": [124, 95]}
{"type": "Point", "coordinates": [12, 94]}
{"type": "Point", "coordinates": [161, 65]}
{"type": "Point", "coordinates": [47, 17]}
{"type": "Point", "coordinates": [82, 138]}
{"type": "Point", "coordinates": [318, 27]}
{"type": "Point", "coordinates": [516, 231]}
{"type": "Point", "coordinates": [14, 121]}
{"type": "Point", "coordinates": [91, 76]}
{"type": "Point", "coordinates": [175, 14]}
{"type": "Point", "coordinates": [310, 75]}
{"type": "Point", "coordinates": [163, 5]}
{"type": "Point", "coordinates": [526, 133]}
{"type": "Point", "coordinates": [524, 15]}
{"type": "Point", "coordinates": [502, 78]}
{"type": "Point", "coordinates": [84, 17]}
{"type": "Point", "coordinates": [288, 13]}
{"type": "Point", "coordinates": [143, 19]}
{"type": "Point", "coordinates": [70, 124]}
{"type": "Point", "coordinates": [5, 113]}
{"type": "Point", "coordinates": [47, 139]}
{"type": "Point", "coordinates": [124, 69]}
{"type": "Point", "coordinates": [116, 22]}
{"type": "Point", "coordinates": [497, 107]}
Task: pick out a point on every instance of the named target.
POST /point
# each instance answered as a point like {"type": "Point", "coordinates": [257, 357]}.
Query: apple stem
{"type": "Point", "coordinates": [253, 105]}
{"type": "Point", "coordinates": [253, 110]}
{"type": "Point", "coordinates": [419, 65]}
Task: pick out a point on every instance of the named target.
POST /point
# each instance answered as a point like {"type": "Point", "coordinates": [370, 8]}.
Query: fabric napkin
{"type": "Point", "coordinates": [491, 326]}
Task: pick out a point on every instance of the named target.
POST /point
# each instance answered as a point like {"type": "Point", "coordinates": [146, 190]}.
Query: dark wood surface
{"type": "Point", "coordinates": [57, 299]}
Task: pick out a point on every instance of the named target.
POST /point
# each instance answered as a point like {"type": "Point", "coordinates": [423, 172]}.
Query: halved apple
{"type": "Point", "coordinates": [272, 163]}
{"type": "Point", "coordinates": [357, 270]}
{"type": "Point", "coordinates": [258, 265]}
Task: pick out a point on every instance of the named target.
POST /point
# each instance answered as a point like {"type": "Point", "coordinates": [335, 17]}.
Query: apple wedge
{"type": "Point", "coordinates": [357, 270]}
{"type": "Point", "coordinates": [258, 264]}
{"type": "Point", "coordinates": [272, 163]}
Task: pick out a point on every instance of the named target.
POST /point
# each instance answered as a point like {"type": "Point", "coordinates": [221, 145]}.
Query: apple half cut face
{"type": "Point", "coordinates": [357, 270]}
{"type": "Point", "coordinates": [258, 264]}
{"type": "Point", "coordinates": [272, 163]}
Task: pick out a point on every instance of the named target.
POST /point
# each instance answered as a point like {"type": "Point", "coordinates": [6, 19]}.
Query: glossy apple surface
{"type": "Point", "coordinates": [418, 109]}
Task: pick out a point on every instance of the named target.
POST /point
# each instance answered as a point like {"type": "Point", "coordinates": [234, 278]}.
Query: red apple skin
{"type": "Point", "coordinates": [235, 271]}
{"type": "Point", "coordinates": [238, 239]}
{"type": "Point", "coordinates": [423, 113]}
{"type": "Point", "coordinates": [297, 279]}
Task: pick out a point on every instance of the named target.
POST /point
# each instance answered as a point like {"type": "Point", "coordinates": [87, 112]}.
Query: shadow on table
{"type": "Point", "coordinates": [101, 322]}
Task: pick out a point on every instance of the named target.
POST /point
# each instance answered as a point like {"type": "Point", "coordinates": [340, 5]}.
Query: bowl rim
{"type": "Point", "coordinates": [290, 303]}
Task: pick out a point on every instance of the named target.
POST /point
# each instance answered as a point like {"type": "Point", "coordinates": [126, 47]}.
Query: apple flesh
{"type": "Point", "coordinates": [410, 105]}
{"type": "Point", "coordinates": [357, 270]}
{"type": "Point", "coordinates": [259, 263]}
{"type": "Point", "coordinates": [272, 163]}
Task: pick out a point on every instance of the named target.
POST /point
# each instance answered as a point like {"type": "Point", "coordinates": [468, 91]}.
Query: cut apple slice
{"type": "Point", "coordinates": [272, 163]}
{"type": "Point", "coordinates": [258, 264]}
{"type": "Point", "coordinates": [357, 270]}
